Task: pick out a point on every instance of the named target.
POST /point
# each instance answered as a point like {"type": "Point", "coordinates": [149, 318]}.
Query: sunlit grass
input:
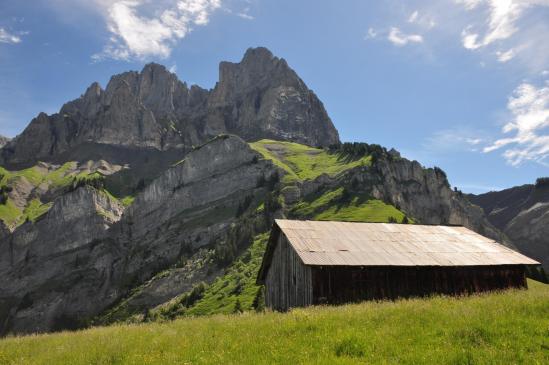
{"type": "Point", "coordinates": [509, 327]}
{"type": "Point", "coordinates": [302, 162]}
{"type": "Point", "coordinates": [331, 205]}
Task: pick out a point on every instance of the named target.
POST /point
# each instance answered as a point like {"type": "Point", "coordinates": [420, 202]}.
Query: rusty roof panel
{"type": "Point", "coordinates": [381, 244]}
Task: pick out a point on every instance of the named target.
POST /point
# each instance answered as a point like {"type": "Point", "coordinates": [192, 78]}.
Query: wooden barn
{"type": "Point", "coordinates": [320, 262]}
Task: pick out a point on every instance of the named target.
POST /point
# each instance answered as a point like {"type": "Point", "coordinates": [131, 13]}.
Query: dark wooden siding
{"type": "Point", "coordinates": [341, 284]}
{"type": "Point", "coordinates": [288, 282]}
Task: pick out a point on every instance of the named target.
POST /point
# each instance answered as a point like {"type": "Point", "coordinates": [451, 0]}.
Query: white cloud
{"type": "Point", "coordinates": [372, 33]}
{"type": "Point", "coordinates": [7, 37]}
{"type": "Point", "coordinates": [503, 15]}
{"type": "Point", "coordinates": [413, 17]}
{"type": "Point", "coordinates": [173, 69]}
{"type": "Point", "coordinates": [529, 107]}
{"type": "Point", "coordinates": [245, 14]}
{"type": "Point", "coordinates": [503, 24]}
{"type": "Point", "coordinates": [142, 29]}
{"type": "Point", "coordinates": [400, 39]}
{"type": "Point", "coordinates": [505, 56]}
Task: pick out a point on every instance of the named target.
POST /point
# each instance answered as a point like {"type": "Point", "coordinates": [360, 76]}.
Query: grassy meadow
{"type": "Point", "coordinates": [510, 327]}
{"type": "Point", "coordinates": [302, 162]}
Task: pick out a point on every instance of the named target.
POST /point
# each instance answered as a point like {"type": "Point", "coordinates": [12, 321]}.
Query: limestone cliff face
{"type": "Point", "coordinates": [51, 270]}
{"type": "Point", "coordinates": [191, 204]}
{"type": "Point", "coordinates": [260, 97]}
{"type": "Point", "coordinates": [422, 193]}
{"type": "Point", "coordinates": [87, 252]}
{"type": "Point", "coordinates": [426, 195]}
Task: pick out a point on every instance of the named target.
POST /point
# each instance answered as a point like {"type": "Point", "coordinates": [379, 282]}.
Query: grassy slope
{"type": "Point", "coordinates": [332, 206]}
{"type": "Point", "coordinates": [303, 162]}
{"type": "Point", "coordinates": [238, 283]}
{"type": "Point", "coordinates": [511, 327]}
{"type": "Point", "coordinates": [59, 178]}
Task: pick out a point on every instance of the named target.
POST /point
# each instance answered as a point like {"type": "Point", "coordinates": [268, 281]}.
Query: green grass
{"type": "Point", "coordinates": [59, 178]}
{"type": "Point", "coordinates": [509, 327]}
{"type": "Point", "coordinates": [127, 200]}
{"type": "Point", "coordinates": [9, 213]}
{"type": "Point", "coordinates": [331, 205]}
{"type": "Point", "coordinates": [36, 209]}
{"type": "Point", "coordinates": [33, 175]}
{"type": "Point", "coordinates": [302, 162]}
{"type": "Point", "coordinates": [237, 284]}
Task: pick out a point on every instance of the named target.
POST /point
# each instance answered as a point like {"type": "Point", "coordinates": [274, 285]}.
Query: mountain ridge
{"type": "Point", "coordinates": [522, 213]}
{"type": "Point", "coordinates": [259, 97]}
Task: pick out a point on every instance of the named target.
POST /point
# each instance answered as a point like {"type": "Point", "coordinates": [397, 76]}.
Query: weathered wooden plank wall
{"type": "Point", "coordinates": [288, 282]}
{"type": "Point", "coordinates": [337, 284]}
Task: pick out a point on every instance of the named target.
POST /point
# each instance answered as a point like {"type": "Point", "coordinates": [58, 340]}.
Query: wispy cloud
{"type": "Point", "coordinates": [7, 37]}
{"type": "Point", "coordinates": [503, 15]}
{"type": "Point", "coordinates": [245, 14]}
{"type": "Point", "coordinates": [418, 21]}
{"type": "Point", "coordinates": [506, 29]}
{"type": "Point", "coordinates": [422, 19]}
{"type": "Point", "coordinates": [398, 38]}
{"type": "Point", "coordinates": [454, 140]}
{"type": "Point", "coordinates": [141, 29]}
{"type": "Point", "coordinates": [529, 107]}
{"type": "Point", "coordinates": [505, 56]}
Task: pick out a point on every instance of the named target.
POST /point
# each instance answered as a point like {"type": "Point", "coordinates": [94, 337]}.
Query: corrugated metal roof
{"type": "Point", "coordinates": [381, 244]}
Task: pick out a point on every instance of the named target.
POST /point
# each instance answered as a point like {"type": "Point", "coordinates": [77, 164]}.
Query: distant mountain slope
{"type": "Point", "coordinates": [260, 97]}
{"type": "Point", "coordinates": [522, 213]}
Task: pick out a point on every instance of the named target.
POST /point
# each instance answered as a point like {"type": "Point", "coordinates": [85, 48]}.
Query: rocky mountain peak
{"type": "Point", "coordinates": [257, 69]}
{"type": "Point", "coordinates": [259, 97]}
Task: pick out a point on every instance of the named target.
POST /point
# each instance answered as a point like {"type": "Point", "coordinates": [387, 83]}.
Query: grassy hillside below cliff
{"type": "Point", "coordinates": [302, 162]}
{"type": "Point", "coordinates": [41, 180]}
{"type": "Point", "coordinates": [509, 327]}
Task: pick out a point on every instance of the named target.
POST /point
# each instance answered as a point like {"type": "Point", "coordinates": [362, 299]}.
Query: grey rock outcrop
{"type": "Point", "coordinates": [529, 230]}
{"type": "Point", "coordinates": [425, 194]}
{"type": "Point", "coordinates": [422, 193]}
{"type": "Point", "coordinates": [260, 97]}
{"type": "Point", "coordinates": [3, 141]}
{"type": "Point", "coordinates": [522, 212]}
{"type": "Point", "coordinates": [51, 270]}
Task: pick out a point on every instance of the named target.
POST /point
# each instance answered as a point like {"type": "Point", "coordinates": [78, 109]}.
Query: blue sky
{"type": "Point", "coordinates": [460, 84]}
